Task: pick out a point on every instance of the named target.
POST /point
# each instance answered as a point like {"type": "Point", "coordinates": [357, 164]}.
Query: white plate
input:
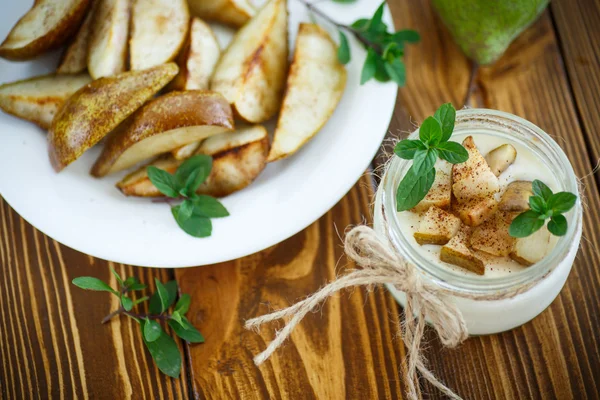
{"type": "Point", "coordinates": [92, 216]}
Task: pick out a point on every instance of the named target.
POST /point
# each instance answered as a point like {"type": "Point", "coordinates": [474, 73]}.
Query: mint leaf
{"type": "Point", "coordinates": [195, 225]}
{"type": "Point", "coordinates": [406, 148]}
{"type": "Point", "coordinates": [163, 295]}
{"type": "Point", "coordinates": [446, 116]}
{"type": "Point", "coordinates": [152, 330]}
{"type": "Point", "coordinates": [187, 333]}
{"type": "Point", "coordinates": [177, 317]}
{"type": "Point", "coordinates": [558, 225]}
{"type": "Point", "coordinates": [130, 281]}
{"type": "Point", "coordinates": [376, 22]}
{"type": "Point", "coordinates": [126, 302]}
{"type": "Point", "coordinates": [163, 181]}
{"type": "Point", "coordinates": [91, 283]}
{"type": "Point", "coordinates": [396, 70]}
{"type": "Point", "coordinates": [185, 209]}
{"type": "Point", "coordinates": [561, 202]}
{"type": "Point", "coordinates": [381, 74]}
{"type": "Point", "coordinates": [183, 304]}
{"type": "Point", "coordinates": [112, 270]}
{"type": "Point", "coordinates": [413, 189]}
{"type": "Point", "coordinates": [406, 35]}
{"type": "Point", "coordinates": [452, 152]}
{"type": "Point", "coordinates": [430, 131]}
{"type": "Point", "coordinates": [361, 24]}
{"type": "Point", "coordinates": [193, 172]}
{"type": "Point", "coordinates": [165, 353]}
{"type": "Point", "coordinates": [137, 286]}
{"type": "Point", "coordinates": [537, 204]}
{"type": "Point", "coordinates": [424, 161]}
{"type": "Point", "coordinates": [369, 67]}
{"type": "Point", "coordinates": [140, 300]}
{"type": "Point", "coordinates": [207, 206]}
{"type": "Point", "coordinates": [540, 189]}
{"type": "Point", "coordinates": [525, 224]}
{"type": "Point", "coordinates": [343, 52]}
{"type": "Point", "coordinates": [155, 303]}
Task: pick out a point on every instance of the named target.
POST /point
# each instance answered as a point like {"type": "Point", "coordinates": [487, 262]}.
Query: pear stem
{"type": "Point", "coordinates": [471, 86]}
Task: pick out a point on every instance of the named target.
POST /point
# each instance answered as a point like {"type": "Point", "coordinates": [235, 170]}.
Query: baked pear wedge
{"type": "Point", "coordinates": [230, 12]}
{"type": "Point", "coordinates": [164, 124]}
{"type": "Point", "coordinates": [158, 31]}
{"type": "Point", "coordinates": [186, 151]}
{"type": "Point", "coordinates": [47, 25]}
{"type": "Point", "coordinates": [107, 51]}
{"type": "Point", "coordinates": [457, 252]}
{"type": "Point", "coordinates": [98, 108]}
{"type": "Point", "coordinates": [251, 73]}
{"type": "Point", "coordinates": [238, 158]}
{"type": "Point", "coordinates": [39, 99]}
{"type": "Point", "coordinates": [74, 59]}
{"type": "Point", "coordinates": [437, 227]}
{"type": "Point", "coordinates": [314, 88]}
{"type": "Point", "coordinates": [473, 178]}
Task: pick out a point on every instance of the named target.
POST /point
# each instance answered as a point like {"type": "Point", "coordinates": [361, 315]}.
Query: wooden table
{"type": "Point", "coordinates": [52, 345]}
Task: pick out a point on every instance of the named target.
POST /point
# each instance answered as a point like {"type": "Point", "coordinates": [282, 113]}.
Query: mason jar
{"type": "Point", "coordinates": [498, 303]}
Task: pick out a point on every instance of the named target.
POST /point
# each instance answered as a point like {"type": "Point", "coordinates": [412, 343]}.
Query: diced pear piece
{"type": "Point", "coordinates": [457, 252]}
{"type": "Point", "coordinates": [163, 124]}
{"type": "Point", "coordinates": [186, 151]}
{"type": "Point", "coordinates": [533, 248]}
{"type": "Point", "coordinates": [39, 99]}
{"type": "Point", "coordinates": [98, 108]}
{"type": "Point", "coordinates": [45, 26]}
{"type": "Point", "coordinates": [492, 236]}
{"type": "Point", "coordinates": [230, 12]}
{"type": "Point", "coordinates": [158, 31]}
{"type": "Point", "coordinates": [501, 158]}
{"type": "Point", "coordinates": [437, 227]}
{"type": "Point", "coordinates": [74, 59]}
{"type": "Point", "coordinates": [440, 194]}
{"type": "Point", "coordinates": [474, 212]}
{"type": "Point", "coordinates": [107, 51]}
{"type": "Point", "coordinates": [251, 73]}
{"type": "Point", "coordinates": [473, 178]}
{"type": "Point", "coordinates": [516, 197]}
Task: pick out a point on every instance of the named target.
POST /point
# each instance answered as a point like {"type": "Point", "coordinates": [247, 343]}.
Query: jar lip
{"type": "Point", "coordinates": [473, 285]}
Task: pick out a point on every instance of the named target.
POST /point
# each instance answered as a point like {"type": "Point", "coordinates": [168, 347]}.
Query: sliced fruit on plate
{"type": "Point", "coordinates": [314, 88]}
{"type": "Point", "coordinates": [39, 99]}
{"type": "Point", "coordinates": [107, 51]}
{"type": "Point", "coordinates": [231, 12]}
{"type": "Point", "coordinates": [437, 227]}
{"type": "Point", "coordinates": [238, 158]}
{"type": "Point", "coordinates": [473, 178]}
{"type": "Point", "coordinates": [457, 252]}
{"type": "Point", "coordinates": [440, 194]}
{"type": "Point", "coordinates": [198, 58]}
{"type": "Point", "coordinates": [251, 73]}
{"type": "Point", "coordinates": [474, 212]}
{"type": "Point", "coordinates": [74, 59]}
{"type": "Point", "coordinates": [186, 151]}
{"type": "Point", "coordinates": [98, 108]}
{"type": "Point", "coordinates": [533, 248]}
{"type": "Point", "coordinates": [516, 196]}
{"type": "Point", "coordinates": [501, 158]}
{"type": "Point", "coordinates": [47, 25]}
{"type": "Point", "coordinates": [492, 236]}
{"type": "Point", "coordinates": [164, 124]}
{"type": "Point", "coordinates": [158, 31]}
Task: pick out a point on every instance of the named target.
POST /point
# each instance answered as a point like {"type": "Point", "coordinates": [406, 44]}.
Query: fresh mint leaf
{"type": "Point", "coordinates": [446, 116]}
{"type": "Point", "coordinates": [140, 300]}
{"type": "Point", "coordinates": [163, 295]}
{"type": "Point", "coordinates": [558, 225]}
{"type": "Point", "coordinates": [376, 23]}
{"type": "Point", "coordinates": [188, 333]}
{"type": "Point", "coordinates": [396, 70]}
{"type": "Point", "coordinates": [361, 24]}
{"type": "Point", "coordinates": [137, 286]}
{"type": "Point", "coordinates": [117, 276]}
{"type": "Point", "coordinates": [207, 206]}
{"type": "Point", "coordinates": [369, 67]}
{"type": "Point", "coordinates": [198, 167]}
{"type": "Point", "coordinates": [406, 149]}
{"type": "Point", "coordinates": [196, 225]}
{"type": "Point", "coordinates": [155, 303]}
{"type": "Point", "coordinates": [561, 202]}
{"type": "Point", "coordinates": [163, 181]}
{"type": "Point", "coordinates": [537, 204]}
{"type": "Point", "coordinates": [406, 35]}
{"type": "Point", "coordinates": [430, 131]}
{"type": "Point", "coordinates": [391, 51]}
{"type": "Point", "coordinates": [381, 74]}
{"type": "Point", "coordinates": [452, 152]}
{"type": "Point", "coordinates": [424, 161]}
{"type": "Point", "coordinates": [177, 317]}
{"type": "Point", "coordinates": [525, 224]}
{"type": "Point", "coordinates": [130, 281]}
{"type": "Point", "coordinates": [343, 52]}
{"type": "Point", "coordinates": [126, 302]}
{"type": "Point", "coordinates": [183, 304]}
{"type": "Point", "coordinates": [413, 188]}
{"type": "Point", "coordinates": [185, 209]}
{"type": "Point", "coordinates": [152, 330]}
{"type": "Point", "coordinates": [540, 189]}
{"type": "Point", "coordinates": [91, 283]}
{"type": "Point", "coordinates": [165, 353]}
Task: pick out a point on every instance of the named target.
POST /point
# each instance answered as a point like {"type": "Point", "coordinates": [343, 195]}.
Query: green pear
{"type": "Point", "coordinates": [485, 28]}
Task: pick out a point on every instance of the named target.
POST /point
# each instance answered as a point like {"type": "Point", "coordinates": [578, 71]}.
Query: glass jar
{"type": "Point", "coordinates": [491, 304]}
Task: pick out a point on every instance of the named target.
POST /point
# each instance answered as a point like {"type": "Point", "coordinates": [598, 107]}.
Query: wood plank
{"type": "Point", "coordinates": [52, 344]}
{"type": "Point", "coordinates": [348, 349]}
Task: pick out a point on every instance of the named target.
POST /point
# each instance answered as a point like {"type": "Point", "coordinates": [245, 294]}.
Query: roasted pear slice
{"type": "Point", "coordinates": [251, 73]}
{"type": "Point", "coordinates": [501, 158]}
{"type": "Point", "coordinates": [107, 51]}
{"type": "Point", "coordinates": [516, 197]}
{"type": "Point", "coordinates": [186, 151]}
{"type": "Point", "coordinates": [440, 194]}
{"type": "Point", "coordinates": [315, 86]}
{"type": "Point", "coordinates": [98, 108]}
{"type": "Point", "coordinates": [473, 178]}
{"type": "Point", "coordinates": [74, 59]}
{"type": "Point", "coordinates": [38, 99]}
{"type": "Point", "coordinates": [457, 252]}
{"type": "Point", "coordinates": [47, 25]}
{"type": "Point", "coordinates": [475, 212]}
{"type": "Point", "coordinates": [492, 236]}
{"type": "Point", "coordinates": [158, 31]}
{"type": "Point", "coordinates": [238, 158]}
{"type": "Point", "coordinates": [533, 248]}
{"type": "Point", "coordinates": [230, 12]}
{"type": "Point", "coordinates": [437, 227]}
{"type": "Point", "coordinates": [164, 124]}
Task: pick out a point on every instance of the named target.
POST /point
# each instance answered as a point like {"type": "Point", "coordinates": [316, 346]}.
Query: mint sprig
{"type": "Point", "coordinates": [433, 142]}
{"type": "Point", "coordinates": [385, 50]}
{"type": "Point", "coordinates": [543, 205]}
{"type": "Point", "coordinates": [194, 212]}
{"type": "Point", "coordinates": [160, 344]}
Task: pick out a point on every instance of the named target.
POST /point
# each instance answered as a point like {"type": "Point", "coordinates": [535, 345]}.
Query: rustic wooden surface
{"type": "Point", "coordinates": [52, 345]}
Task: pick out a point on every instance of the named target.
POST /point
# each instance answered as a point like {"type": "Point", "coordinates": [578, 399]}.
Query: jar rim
{"type": "Point", "coordinates": [466, 284]}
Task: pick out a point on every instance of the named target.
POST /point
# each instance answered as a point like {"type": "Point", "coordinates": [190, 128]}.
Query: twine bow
{"type": "Point", "coordinates": [383, 265]}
